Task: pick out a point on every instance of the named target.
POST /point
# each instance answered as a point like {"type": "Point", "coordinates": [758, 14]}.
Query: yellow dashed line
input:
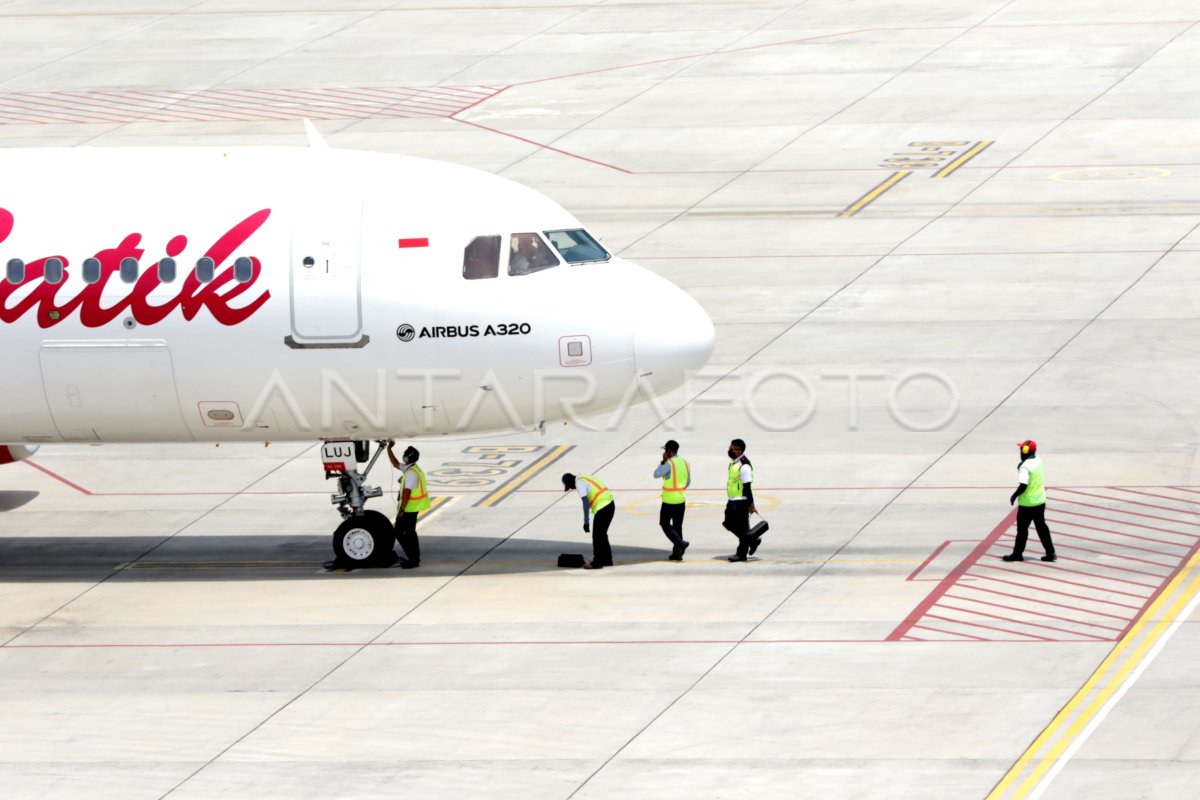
{"type": "Point", "coordinates": [515, 482]}
{"type": "Point", "coordinates": [948, 170]}
{"type": "Point", "coordinates": [871, 196]}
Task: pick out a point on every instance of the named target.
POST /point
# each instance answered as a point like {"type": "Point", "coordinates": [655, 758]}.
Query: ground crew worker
{"type": "Point", "coordinates": [414, 498]}
{"type": "Point", "coordinates": [598, 502]}
{"type": "Point", "coordinates": [740, 504]}
{"type": "Point", "coordinates": [676, 476]}
{"type": "Point", "coordinates": [1030, 497]}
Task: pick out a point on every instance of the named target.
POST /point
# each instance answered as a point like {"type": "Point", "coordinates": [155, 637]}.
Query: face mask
{"type": "Point", "coordinates": [732, 455]}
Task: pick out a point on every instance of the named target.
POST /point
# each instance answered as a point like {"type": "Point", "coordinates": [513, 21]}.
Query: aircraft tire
{"type": "Point", "coordinates": [365, 541]}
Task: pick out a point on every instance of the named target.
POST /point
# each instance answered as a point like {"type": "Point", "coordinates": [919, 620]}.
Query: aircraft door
{"type": "Point", "coordinates": [326, 285]}
{"type": "Point", "coordinates": [112, 390]}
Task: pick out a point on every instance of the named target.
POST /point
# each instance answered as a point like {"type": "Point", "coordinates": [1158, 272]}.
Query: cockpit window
{"type": "Point", "coordinates": [481, 258]}
{"type": "Point", "coordinates": [577, 246]}
{"type": "Point", "coordinates": [528, 253]}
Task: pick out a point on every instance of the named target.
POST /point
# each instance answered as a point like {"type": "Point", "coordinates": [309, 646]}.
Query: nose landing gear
{"type": "Point", "coordinates": [365, 538]}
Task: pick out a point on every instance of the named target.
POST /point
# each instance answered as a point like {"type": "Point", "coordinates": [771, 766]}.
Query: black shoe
{"type": "Point", "coordinates": [409, 564]}
{"type": "Point", "coordinates": [683, 549]}
{"type": "Point", "coordinates": [1050, 557]}
{"type": "Point", "coordinates": [737, 558]}
{"type": "Point", "coordinates": [754, 545]}
{"type": "Point", "coordinates": [1012, 557]}
{"type": "Point", "coordinates": [676, 555]}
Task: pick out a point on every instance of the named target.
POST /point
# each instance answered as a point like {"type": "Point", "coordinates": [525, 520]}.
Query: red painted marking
{"type": "Point", "coordinates": [56, 476]}
{"type": "Point", "coordinates": [335, 466]}
{"type": "Point", "coordinates": [948, 633]}
{"type": "Point", "coordinates": [951, 578]}
{"type": "Point", "coordinates": [1117, 533]}
{"type": "Point", "coordinates": [1043, 602]}
{"type": "Point", "coordinates": [1072, 595]}
{"type": "Point", "coordinates": [1031, 611]}
{"type": "Point", "coordinates": [1078, 549]}
{"type": "Point", "coordinates": [480, 100]}
{"type": "Point", "coordinates": [1060, 568]}
{"type": "Point", "coordinates": [542, 145]}
{"type": "Point", "coordinates": [990, 627]}
{"type": "Point", "coordinates": [1102, 565]}
{"type": "Point", "coordinates": [1088, 586]}
{"type": "Point", "coordinates": [1193, 509]}
{"type": "Point", "coordinates": [1133, 513]}
{"type": "Point", "coordinates": [1059, 532]}
{"type": "Point", "coordinates": [1127, 524]}
{"type": "Point", "coordinates": [414, 243]}
{"type": "Point", "coordinates": [1149, 600]}
{"type": "Point", "coordinates": [1020, 621]}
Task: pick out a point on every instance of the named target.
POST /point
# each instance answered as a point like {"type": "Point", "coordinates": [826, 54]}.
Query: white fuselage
{"type": "Point", "coordinates": [356, 321]}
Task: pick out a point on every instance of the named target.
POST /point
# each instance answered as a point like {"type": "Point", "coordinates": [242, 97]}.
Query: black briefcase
{"type": "Point", "coordinates": [761, 528]}
{"type": "Point", "coordinates": [570, 560]}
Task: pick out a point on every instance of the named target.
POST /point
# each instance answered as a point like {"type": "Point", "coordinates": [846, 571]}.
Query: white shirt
{"type": "Point", "coordinates": [411, 481]}
{"type": "Point", "coordinates": [745, 475]}
{"type": "Point", "coordinates": [1023, 471]}
{"type": "Point", "coordinates": [583, 487]}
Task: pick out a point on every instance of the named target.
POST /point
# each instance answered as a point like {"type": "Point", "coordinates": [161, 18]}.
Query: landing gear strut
{"type": "Point", "coordinates": [365, 538]}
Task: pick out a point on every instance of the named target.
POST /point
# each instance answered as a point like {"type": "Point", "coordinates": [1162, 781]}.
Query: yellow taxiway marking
{"type": "Point", "coordinates": [515, 482]}
{"type": "Point", "coordinates": [829, 212]}
{"type": "Point", "coordinates": [871, 196]}
{"type": "Point", "coordinates": [1114, 675]}
{"type": "Point", "coordinates": [948, 170]}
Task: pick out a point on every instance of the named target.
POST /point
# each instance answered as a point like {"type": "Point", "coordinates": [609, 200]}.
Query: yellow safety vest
{"type": "Point", "coordinates": [735, 479]}
{"type": "Point", "coordinates": [1035, 490]}
{"type": "Point", "coordinates": [598, 494]}
{"type": "Point", "coordinates": [675, 482]}
{"type": "Point", "coordinates": [418, 500]}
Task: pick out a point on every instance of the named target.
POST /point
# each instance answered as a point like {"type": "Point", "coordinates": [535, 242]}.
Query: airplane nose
{"type": "Point", "coordinates": [674, 336]}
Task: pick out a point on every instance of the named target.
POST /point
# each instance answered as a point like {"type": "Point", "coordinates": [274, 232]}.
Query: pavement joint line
{"type": "Point", "coordinates": [126, 565]}
{"type": "Point", "coordinates": [806, 315]}
{"type": "Point", "coordinates": [952, 167]}
{"type": "Point", "coordinates": [1100, 688]}
{"type": "Point", "coordinates": [504, 490]}
{"type": "Point", "coordinates": [874, 193]}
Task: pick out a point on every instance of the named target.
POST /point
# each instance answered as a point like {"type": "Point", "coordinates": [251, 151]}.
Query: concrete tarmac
{"type": "Point", "coordinates": [925, 232]}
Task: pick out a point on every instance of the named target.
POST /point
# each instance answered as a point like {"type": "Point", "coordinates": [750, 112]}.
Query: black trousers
{"type": "Point", "coordinates": [737, 522]}
{"type": "Point", "coordinates": [1036, 515]}
{"type": "Point", "coordinates": [406, 535]}
{"type": "Point", "coordinates": [601, 549]}
{"type": "Point", "coordinates": [670, 519]}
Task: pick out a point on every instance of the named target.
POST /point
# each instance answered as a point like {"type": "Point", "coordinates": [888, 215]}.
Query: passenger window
{"type": "Point", "coordinates": [166, 270]}
{"type": "Point", "coordinates": [15, 271]}
{"type": "Point", "coordinates": [481, 258]}
{"type": "Point", "coordinates": [53, 271]}
{"type": "Point", "coordinates": [577, 246]}
{"type": "Point", "coordinates": [91, 270]}
{"type": "Point", "coordinates": [243, 270]}
{"type": "Point", "coordinates": [528, 253]}
{"type": "Point", "coordinates": [205, 268]}
{"type": "Point", "coordinates": [129, 270]}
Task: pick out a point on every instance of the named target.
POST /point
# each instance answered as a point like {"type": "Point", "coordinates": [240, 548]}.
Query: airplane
{"type": "Point", "coordinates": [312, 294]}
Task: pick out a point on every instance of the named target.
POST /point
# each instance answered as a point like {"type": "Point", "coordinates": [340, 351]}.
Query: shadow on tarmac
{"type": "Point", "coordinates": [14, 500]}
{"type": "Point", "coordinates": [51, 559]}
